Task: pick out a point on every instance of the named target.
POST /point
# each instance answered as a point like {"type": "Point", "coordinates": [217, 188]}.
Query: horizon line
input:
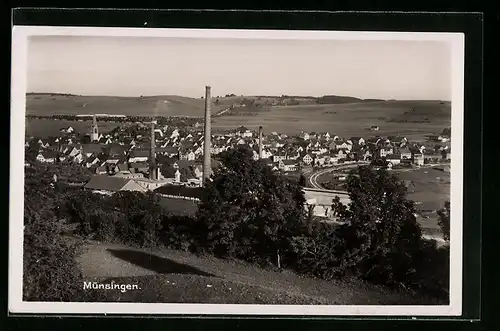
{"type": "Point", "coordinates": [223, 96]}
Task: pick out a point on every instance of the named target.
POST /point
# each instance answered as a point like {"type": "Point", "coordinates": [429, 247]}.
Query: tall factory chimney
{"type": "Point", "coordinates": [152, 153]}
{"type": "Point", "coordinates": [207, 168]}
{"type": "Point", "coordinates": [260, 142]}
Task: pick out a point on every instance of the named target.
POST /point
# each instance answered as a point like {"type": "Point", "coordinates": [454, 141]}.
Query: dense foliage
{"type": "Point", "coordinates": [444, 220]}
{"type": "Point", "coordinates": [50, 272]}
{"type": "Point", "coordinates": [247, 211]}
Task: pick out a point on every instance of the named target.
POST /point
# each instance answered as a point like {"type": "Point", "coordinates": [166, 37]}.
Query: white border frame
{"type": "Point", "coordinates": [20, 36]}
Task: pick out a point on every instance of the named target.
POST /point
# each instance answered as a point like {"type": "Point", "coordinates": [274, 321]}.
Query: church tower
{"type": "Point", "coordinates": [94, 130]}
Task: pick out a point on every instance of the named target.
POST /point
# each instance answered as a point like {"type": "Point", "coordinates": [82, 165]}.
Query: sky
{"type": "Point", "coordinates": [134, 66]}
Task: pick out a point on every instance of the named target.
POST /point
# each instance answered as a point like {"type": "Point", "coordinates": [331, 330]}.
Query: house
{"type": "Point", "coordinates": [110, 184]}
{"type": "Point", "coordinates": [405, 153]}
{"type": "Point", "coordinates": [443, 139]}
{"type": "Point", "coordinates": [78, 158]}
{"type": "Point", "coordinates": [137, 167]}
{"type": "Point", "coordinates": [241, 130]}
{"type": "Point", "coordinates": [187, 155]}
{"type": "Point", "coordinates": [340, 145]}
{"type": "Point", "coordinates": [305, 136]}
{"type": "Point", "coordinates": [384, 151]}
{"type": "Point", "coordinates": [374, 128]}
{"type": "Point", "coordinates": [367, 155]}
{"type": "Point", "coordinates": [277, 158]}
{"type": "Point", "coordinates": [167, 151]}
{"type": "Point", "coordinates": [418, 159]}
{"type": "Point", "coordinates": [116, 149]}
{"type": "Point", "coordinates": [255, 155]}
{"type": "Point", "coordinates": [247, 134]}
{"type": "Point", "coordinates": [342, 154]}
{"type": "Point", "coordinates": [357, 141]}
{"type": "Point", "coordinates": [102, 170]}
{"type": "Point", "coordinates": [307, 159]}
{"type": "Point", "coordinates": [139, 155]}
{"type": "Point", "coordinates": [115, 159]}
{"type": "Point", "coordinates": [175, 134]}
{"type": "Point", "coordinates": [432, 158]}
{"type": "Point", "coordinates": [320, 160]}
{"type": "Point", "coordinates": [394, 159]}
{"type": "Point", "coordinates": [122, 168]}
{"type": "Point", "coordinates": [287, 165]}
{"type": "Point", "coordinates": [91, 149]}
{"type": "Point", "coordinates": [199, 151]}
{"type": "Point", "coordinates": [47, 156]}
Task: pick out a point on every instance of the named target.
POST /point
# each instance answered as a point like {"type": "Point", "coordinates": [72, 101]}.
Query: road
{"type": "Point", "coordinates": [313, 179]}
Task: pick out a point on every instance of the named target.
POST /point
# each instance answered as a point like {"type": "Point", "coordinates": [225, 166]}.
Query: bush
{"type": "Point", "coordinates": [315, 252]}
{"type": "Point", "coordinates": [50, 272]}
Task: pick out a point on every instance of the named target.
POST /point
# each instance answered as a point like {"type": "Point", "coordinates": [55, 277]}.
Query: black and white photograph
{"type": "Point", "coordinates": [245, 172]}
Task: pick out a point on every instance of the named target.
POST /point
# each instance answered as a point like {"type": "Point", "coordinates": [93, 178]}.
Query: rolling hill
{"type": "Point", "coordinates": [166, 105]}
{"type": "Point", "coordinates": [287, 114]}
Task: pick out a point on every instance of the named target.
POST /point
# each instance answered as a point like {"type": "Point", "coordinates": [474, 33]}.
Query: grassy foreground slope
{"type": "Point", "coordinates": [170, 276]}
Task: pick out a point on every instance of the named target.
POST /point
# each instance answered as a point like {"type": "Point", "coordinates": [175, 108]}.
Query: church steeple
{"type": "Point", "coordinates": [94, 130]}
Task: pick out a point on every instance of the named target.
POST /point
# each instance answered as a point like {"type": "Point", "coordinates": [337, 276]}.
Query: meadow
{"type": "Point", "coordinates": [349, 120]}
{"type": "Point", "coordinates": [47, 127]}
{"type": "Point", "coordinates": [165, 105]}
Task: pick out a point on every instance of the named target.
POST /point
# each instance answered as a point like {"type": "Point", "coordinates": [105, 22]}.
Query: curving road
{"type": "Point", "coordinates": [313, 179]}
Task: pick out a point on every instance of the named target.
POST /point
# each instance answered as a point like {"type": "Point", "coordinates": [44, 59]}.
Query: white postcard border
{"type": "Point", "coordinates": [20, 37]}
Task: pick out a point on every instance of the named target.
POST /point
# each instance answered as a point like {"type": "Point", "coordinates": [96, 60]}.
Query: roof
{"type": "Point", "coordinates": [140, 153]}
{"type": "Point", "coordinates": [107, 183]}
{"type": "Point", "coordinates": [116, 149]}
{"type": "Point", "coordinates": [289, 162]}
{"type": "Point", "coordinates": [48, 154]}
{"type": "Point", "coordinates": [404, 150]}
{"type": "Point", "coordinates": [92, 148]}
{"type": "Point", "coordinates": [166, 149]}
{"type": "Point", "coordinates": [195, 192]}
{"type": "Point", "coordinates": [393, 157]}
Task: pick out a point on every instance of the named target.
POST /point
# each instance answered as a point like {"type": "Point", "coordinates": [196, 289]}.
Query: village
{"type": "Point", "coordinates": [121, 159]}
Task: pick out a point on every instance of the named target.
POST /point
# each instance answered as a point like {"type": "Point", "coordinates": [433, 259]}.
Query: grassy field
{"type": "Point", "coordinates": [429, 188]}
{"type": "Point", "coordinates": [349, 119]}
{"type": "Point", "coordinates": [170, 276]}
{"type": "Point", "coordinates": [48, 127]}
{"type": "Point", "coordinates": [345, 119]}
{"type": "Point", "coordinates": [167, 105]}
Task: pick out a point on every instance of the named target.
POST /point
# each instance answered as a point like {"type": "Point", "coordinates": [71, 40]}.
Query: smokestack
{"type": "Point", "coordinates": [260, 142]}
{"type": "Point", "coordinates": [152, 154]}
{"type": "Point", "coordinates": [207, 168]}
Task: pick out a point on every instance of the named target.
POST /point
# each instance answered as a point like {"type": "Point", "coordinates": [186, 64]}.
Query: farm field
{"type": "Point", "coordinates": [344, 119]}
{"type": "Point", "coordinates": [167, 105]}
{"type": "Point", "coordinates": [349, 119]}
{"type": "Point", "coordinates": [48, 127]}
{"type": "Point", "coordinates": [429, 188]}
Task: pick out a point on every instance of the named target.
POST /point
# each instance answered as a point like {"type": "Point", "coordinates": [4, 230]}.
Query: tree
{"type": "Point", "coordinates": [248, 210]}
{"type": "Point", "coordinates": [444, 220]}
{"type": "Point", "coordinates": [302, 180]}
{"type": "Point", "coordinates": [381, 237]}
